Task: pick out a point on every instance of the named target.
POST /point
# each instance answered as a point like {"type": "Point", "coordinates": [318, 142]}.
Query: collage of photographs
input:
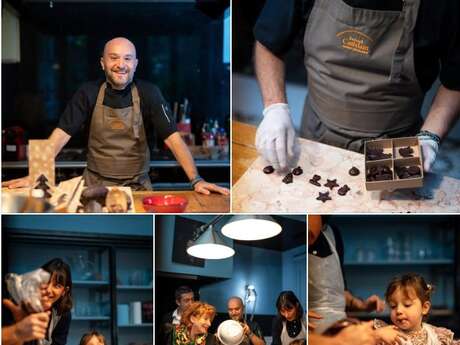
{"type": "Point", "coordinates": [230, 172]}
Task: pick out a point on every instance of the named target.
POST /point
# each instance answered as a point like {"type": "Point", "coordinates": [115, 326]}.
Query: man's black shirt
{"type": "Point", "coordinates": [436, 34]}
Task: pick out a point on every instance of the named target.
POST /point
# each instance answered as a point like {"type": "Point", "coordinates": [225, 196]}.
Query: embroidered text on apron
{"type": "Point", "coordinates": [361, 75]}
{"type": "Point", "coordinates": [117, 148]}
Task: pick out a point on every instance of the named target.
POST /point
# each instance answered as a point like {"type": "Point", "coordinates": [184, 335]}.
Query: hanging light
{"type": "Point", "coordinates": [251, 227]}
{"type": "Point", "coordinates": [209, 244]}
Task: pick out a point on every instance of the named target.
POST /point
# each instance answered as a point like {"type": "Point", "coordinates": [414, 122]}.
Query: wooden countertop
{"type": "Point", "coordinates": [244, 151]}
{"type": "Point", "coordinates": [197, 203]}
{"type": "Point", "coordinates": [255, 192]}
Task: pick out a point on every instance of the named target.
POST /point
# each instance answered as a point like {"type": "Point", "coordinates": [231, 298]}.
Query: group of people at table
{"type": "Point", "coordinates": [190, 322]}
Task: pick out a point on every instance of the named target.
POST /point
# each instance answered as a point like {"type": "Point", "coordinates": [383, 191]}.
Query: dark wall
{"type": "Point", "coordinates": [179, 48]}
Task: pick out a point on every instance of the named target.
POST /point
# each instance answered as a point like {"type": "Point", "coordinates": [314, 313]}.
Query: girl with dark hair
{"type": "Point", "coordinates": [290, 323]}
{"type": "Point", "coordinates": [58, 299]}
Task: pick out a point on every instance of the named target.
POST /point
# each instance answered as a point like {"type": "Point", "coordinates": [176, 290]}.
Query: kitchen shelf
{"type": "Point", "coordinates": [90, 318]}
{"type": "Point", "coordinates": [200, 163]}
{"type": "Point", "coordinates": [135, 287]}
{"type": "Point", "coordinates": [90, 283]}
{"type": "Point", "coordinates": [400, 263]}
{"type": "Point", "coordinates": [136, 326]}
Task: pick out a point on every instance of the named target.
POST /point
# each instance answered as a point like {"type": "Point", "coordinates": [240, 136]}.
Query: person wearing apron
{"type": "Point", "coordinates": [118, 153]}
{"type": "Point", "coordinates": [289, 324]}
{"type": "Point", "coordinates": [327, 296]}
{"type": "Point", "coordinates": [362, 84]}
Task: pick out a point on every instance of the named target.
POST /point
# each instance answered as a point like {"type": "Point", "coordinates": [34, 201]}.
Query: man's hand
{"type": "Point", "coordinates": [17, 183]}
{"type": "Point", "coordinates": [276, 137]}
{"type": "Point", "coordinates": [374, 303]}
{"type": "Point", "coordinates": [17, 311]}
{"type": "Point", "coordinates": [32, 327]}
{"type": "Point", "coordinates": [206, 188]}
{"type": "Point", "coordinates": [390, 335]}
{"type": "Point", "coordinates": [315, 316]}
{"type": "Point", "coordinates": [362, 334]}
{"type": "Point", "coordinates": [430, 148]}
{"type": "Point", "coordinates": [246, 329]}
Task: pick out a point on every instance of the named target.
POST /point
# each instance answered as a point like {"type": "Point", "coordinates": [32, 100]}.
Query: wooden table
{"type": "Point", "coordinates": [244, 151]}
{"type": "Point", "coordinates": [197, 203]}
{"type": "Point", "coordinates": [255, 192]}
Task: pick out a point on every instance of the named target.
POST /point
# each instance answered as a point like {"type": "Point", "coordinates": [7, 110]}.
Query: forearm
{"type": "Point", "coordinates": [59, 138]}
{"type": "Point", "coordinates": [9, 336]}
{"type": "Point", "coordinates": [182, 155]}
{"type": "Point", "coordinates": [444, 112]}
{"type": "Point", "coordinates": [255, 340]}
{"type": "Point", "coordinates": [270, 75]}
{"type": "Point", "coordinates": [316, 339]}
{"type": "Point", "coordinates": [353, 303]}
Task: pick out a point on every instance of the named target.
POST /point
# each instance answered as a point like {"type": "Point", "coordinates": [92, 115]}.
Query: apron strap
{"type": "Point", "coordinates": [101, 94]}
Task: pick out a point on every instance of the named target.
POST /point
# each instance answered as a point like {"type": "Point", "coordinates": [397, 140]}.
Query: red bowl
{"type": "Point", "coordinates": [164, 203]}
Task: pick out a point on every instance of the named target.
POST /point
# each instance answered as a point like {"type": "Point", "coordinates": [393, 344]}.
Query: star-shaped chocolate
{"type": "Point", "coordinates": [42, 179]}
{"type": "Point", "coordinates": [323, 197]}
{"type": "Point", "coordinates": [331, 184]}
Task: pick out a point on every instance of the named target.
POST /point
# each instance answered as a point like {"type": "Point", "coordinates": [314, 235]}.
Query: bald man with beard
{"type": "Point", "coordinates": [120, 114]}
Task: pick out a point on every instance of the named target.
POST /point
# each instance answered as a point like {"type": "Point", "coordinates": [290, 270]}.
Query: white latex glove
{"type": "Point", "coordinates": [430, 150]}
{"type": "Point", "coordinates": [276, 137]}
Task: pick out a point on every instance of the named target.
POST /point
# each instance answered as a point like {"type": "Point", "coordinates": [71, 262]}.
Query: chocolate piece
{"type": "Point", "coordinates": [288, 178]}
{"type": "Point", "coordinates": [414, 170]}
{"type": "Point", "coordinates": [331, 184]}
{"type": "Point", "coordinates": [42, 179]}
{"type": "Point", "coordinates": [268, 169]}
{"type": "Point", "coordinates": [316, 177]}
{"type": "Point", "coordinates": [42, 185]}
{"type": "Point", "coordinates": [354, 171]}
{"type": "Point", "coordinates": [343, 190]}
{"type": "Point", "coordinates": [323, 197]}
{"type": "Point", "coordinates": [379, 173]}
{"type": "Point", "coordinates": [297, 171]}
{"type": "Point", "coordinates": [406, 151]}
{"type": "Point", "coordinates": [373, 154]}
{"type": "Point", "coordinates": [315, 182]}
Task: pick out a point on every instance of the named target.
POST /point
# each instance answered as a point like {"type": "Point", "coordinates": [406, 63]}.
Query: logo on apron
{"type": "Point", "coordinates": [117, 125]}
{"type": "Point", "coordinates": [355, 41]}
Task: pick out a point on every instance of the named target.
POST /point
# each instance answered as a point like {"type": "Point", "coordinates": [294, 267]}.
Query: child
{"type": "Point", "coordinates": [93, 338]}
{"type": "Point", "coordinates": [409, 299]}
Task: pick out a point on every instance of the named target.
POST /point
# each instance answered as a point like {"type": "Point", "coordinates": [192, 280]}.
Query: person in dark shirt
{"type": "Point", "coordinates": [328, 297]}
{"type": "Point", "coordinates": [119, 113]}
{"type": "Point", "coordinates": [252, 332]}
{"type": "Point", "coordinates": [369, 64]}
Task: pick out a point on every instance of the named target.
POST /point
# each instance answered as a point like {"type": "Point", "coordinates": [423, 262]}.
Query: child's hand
{"type": "Point", "coordinates": [390, 335]}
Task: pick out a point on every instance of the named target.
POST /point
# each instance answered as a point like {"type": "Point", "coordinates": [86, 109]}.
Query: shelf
{"type": "Point", "coordinates": [136, 326]}
{"type": "Point", "coordinates": [90, 283]}
{"type": "Point", "coordinates": [134, 287]}
{"type": "Point", "coordinates": [200, 163]}
{"type": "Point", "coordinates": [400, 263]}
{"type": "Point", "coordinates": [90, 318]}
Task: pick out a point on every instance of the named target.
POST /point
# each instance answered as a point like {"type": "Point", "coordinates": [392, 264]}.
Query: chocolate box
{"type": "Point", "coordinates": [387, 162]}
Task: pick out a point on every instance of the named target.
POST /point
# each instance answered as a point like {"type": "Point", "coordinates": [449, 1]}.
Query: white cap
{"type": "Point", "coordinates": [230, 332]}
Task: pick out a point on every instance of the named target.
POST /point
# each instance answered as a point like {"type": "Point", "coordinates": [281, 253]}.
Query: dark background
{"type": "Point", "coordinates": [179, 47]}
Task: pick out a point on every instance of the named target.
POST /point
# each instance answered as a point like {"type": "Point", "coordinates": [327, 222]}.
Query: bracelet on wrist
{"type": "Point", "coordinates": [197, 179]}
{"type": "Point", "coordinates": [431, 135]}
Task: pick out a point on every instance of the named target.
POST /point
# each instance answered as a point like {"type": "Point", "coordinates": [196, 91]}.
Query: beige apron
{"type": "Point", "coordinates": [361, 76]}
{"type": "Point", "coordinates": [118, 153]}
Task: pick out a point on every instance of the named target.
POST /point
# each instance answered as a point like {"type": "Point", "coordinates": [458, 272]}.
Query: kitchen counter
{"type": "Point", "coordinates": [254, 191]}
{"type": "Point", "coordinates": [197, 203]}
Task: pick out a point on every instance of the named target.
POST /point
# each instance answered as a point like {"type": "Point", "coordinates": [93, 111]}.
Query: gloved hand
{"type": "Point", "coordinates": [429, 144]}
{"type": "Point", "coordinates": [276, 138]}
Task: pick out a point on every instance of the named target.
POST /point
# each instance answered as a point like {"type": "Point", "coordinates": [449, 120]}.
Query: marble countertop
{"type": "Point", "coordinates": [258, 192]}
